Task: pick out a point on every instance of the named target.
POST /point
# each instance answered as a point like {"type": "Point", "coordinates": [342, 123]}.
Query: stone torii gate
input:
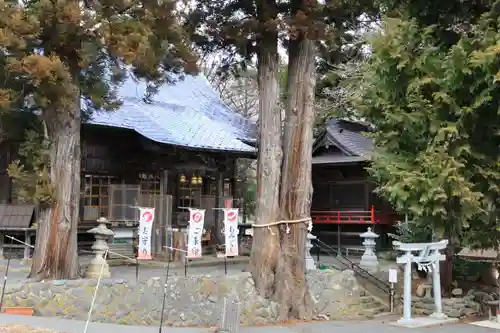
{"type": "Point", "coordinates": [428, 259]}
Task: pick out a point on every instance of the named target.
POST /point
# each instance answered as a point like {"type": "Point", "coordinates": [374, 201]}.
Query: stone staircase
{"type": "Point", "coordinates": [371, 306]}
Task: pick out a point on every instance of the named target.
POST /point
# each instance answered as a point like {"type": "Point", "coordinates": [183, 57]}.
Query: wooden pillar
{"type": "Point", "coordinates": [367, 195]}
{"type": "Point", "coordinates": [339, 237]}
{"type": "Point", "coordinates": [234, 179]}
{"type": "Point", "coordinates": [27, 247]}
{"type": "Point", "coordinates": [219, 193]}
{"type": "Point", "coordinates": [369, 207]}
{"type": "Point", "coordinates": [162, 232]}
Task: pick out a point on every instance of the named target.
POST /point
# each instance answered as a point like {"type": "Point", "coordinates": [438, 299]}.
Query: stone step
{"type": "Point", "coordinates": [372, 312]}
{"type": "Point", "coordinates": [366, 299]}
{"type": "Point", "coordinates": [369, 302]}
{"type": "Point", "coordinates": [372, 305]}
{"type": "Point", "coordinates": [386, 313]}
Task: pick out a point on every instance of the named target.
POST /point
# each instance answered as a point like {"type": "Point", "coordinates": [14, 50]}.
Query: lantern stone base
{"type": "Point", "coordinates": [26, 262]}
{"type": "Point", "coordinates": [309, 259]}
{"type": "Point", "coordinates": [423, 322]}
{"type": "Point", "coordinates": [94, 269]}
{"type": "Point", "coordinates": [369, 262]}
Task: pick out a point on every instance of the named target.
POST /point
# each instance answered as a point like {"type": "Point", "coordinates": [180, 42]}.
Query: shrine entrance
{"type": "Point", "coordinates": [427, 259]}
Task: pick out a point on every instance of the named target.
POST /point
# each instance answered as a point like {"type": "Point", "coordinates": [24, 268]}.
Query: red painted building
{"type": "Point", "coordinates": [344, 204]}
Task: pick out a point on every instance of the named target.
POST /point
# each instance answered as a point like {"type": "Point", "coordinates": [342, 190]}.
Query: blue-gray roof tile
{"type": "Point", "coordinates": [188, 113]}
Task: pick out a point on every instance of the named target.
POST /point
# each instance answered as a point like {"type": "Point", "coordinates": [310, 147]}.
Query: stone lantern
{"type": "Point", "coordinates": [309, 259]}
{"type": "Point", "coordinates": [369, 260]}
{"type": "Point", "coordinates": [99, 264]}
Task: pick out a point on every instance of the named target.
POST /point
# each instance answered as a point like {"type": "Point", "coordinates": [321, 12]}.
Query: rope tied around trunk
{"type": "Point", "coordinates": [307, 220]}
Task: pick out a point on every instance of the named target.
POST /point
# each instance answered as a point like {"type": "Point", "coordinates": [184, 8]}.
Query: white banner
{"type": "Point", "coordinates": [195, 231]}
{"type": "Point", "coordinates": [146, 219]}
{"type": "Point", "coordinates": [231, 231]}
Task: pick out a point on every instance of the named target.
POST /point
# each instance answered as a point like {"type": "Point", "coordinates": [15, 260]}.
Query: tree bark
{"type": "Point", "coordinates": [56, 255]}
{"type": "Point", "coordinates": [266, 241]}
{"type": "Point", "coordinates": [296, 184]}
{"type": "Point", "coordinates": [284, 182]}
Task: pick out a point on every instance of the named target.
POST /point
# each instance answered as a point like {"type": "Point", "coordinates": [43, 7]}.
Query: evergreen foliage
{"type": "Point", "coordinates": [62, 60]}
{"type": "Point", "coordinates": [237, 27]}
{"type": "Point", "coordinates": [54, 52]}
{"type": "Point", "coordinates": [411, 232]}
{"type": "Point", "coordinates": [435, 110]}
{"type": "Point", "coordinates": [30, 174]}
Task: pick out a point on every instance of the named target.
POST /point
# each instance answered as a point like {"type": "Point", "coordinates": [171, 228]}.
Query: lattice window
{"type": "Point", "coordinates": [190, 195]}
{"type": "Point", "coordinates": [96, 196]}
{"type": "Point", "coordinates": [149, 183]}
{"type": "Point", "coordinates": [348, 195]}
{"type": "Point", "coordinates": [124, 202]}
{"type": "Point", "coordinates": [227, 191]}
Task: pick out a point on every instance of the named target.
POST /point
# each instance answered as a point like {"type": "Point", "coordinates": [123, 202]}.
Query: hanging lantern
{"type": "Point", "coordinates": [182, 178]}
{"type": "Point", "coordinates": [200, 180]}
{"type": "Point", "coordinates": [194, 180]}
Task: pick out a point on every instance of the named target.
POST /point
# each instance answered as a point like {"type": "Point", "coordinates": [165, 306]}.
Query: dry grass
{"type": "Point", "coordinates": [23, 329]}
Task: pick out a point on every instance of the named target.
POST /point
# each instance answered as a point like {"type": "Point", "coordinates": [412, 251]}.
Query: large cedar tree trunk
{"type": "Point", "coordinates": [266, 241]}
{"type": "Point", "coordinates": [284, 182]}
{"type": "Point", "coordinates": [296, 184]}
{"type": "Point", "coordinates": [56, 255]}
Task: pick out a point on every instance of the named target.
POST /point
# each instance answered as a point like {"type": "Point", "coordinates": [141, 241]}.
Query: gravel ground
{"type": "Point", "coordinates": [23, 329]}
{"type": "Point", "coordinates": [374, 326]}
{"type": "Point", "coordinates": [19, 272]}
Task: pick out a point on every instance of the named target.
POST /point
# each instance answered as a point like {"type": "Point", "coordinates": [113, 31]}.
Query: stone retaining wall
{"type": "Point", "coordinates": [193, 300]}
{"type": "Point", "coordinates": [456, 307]}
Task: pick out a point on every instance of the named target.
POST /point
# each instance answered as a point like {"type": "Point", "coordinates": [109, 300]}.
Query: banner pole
{"type": "Point", "coordinates": [164, 296]}
{"type": "Point", "coordinates": [225, 240]}
{"type": "Point", "coordinates": [137, 249]}
{"type": "Point", "coordinates": [136, 270]}
{"type": "Point", "coordinates": [95, 293]}
{"type": "Point", "coordinates": [6, 273]}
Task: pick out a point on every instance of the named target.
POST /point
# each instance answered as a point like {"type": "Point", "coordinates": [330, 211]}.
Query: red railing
{"type": "Point", "coordinates": [351, 217]}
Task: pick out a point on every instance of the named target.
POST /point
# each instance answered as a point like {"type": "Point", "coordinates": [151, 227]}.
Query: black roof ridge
{"type": "Point", "coordinates": [353, 142]}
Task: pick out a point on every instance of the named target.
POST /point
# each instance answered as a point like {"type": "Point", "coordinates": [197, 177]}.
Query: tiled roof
{"type": "Point", "coordinates": [485, 254]}
{"type": "Point", "coordinates": [16, 216]}
{"type": "Point", "coordinates": [337, 159]}
{"type": "Point", "coordinates": [188, 113]}
{"type": "Point", "coordinates": [351, 137]}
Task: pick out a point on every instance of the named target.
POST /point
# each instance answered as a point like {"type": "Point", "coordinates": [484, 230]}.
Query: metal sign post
{"type": "Point", "coordinates": [393, 278]}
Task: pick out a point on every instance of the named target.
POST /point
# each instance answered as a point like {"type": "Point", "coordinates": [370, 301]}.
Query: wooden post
{"type": "Point", "coordinates": [372, 220]}
{"type": "Point", "coordinates": [367, 195]}
{"type": "Point", "coordinates": [339, 231]}
{"type": "Point", "coordinates": [234, 180]}
{"type": "Point", "coordinates": [27, 247]}
{"type": "Point", "coordinates": [162, 234]}
{"type": "Point", "coordinates": [219, 192]}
